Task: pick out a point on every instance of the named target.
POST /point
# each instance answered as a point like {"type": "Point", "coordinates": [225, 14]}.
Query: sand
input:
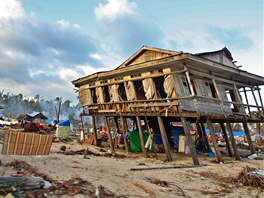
{"type": "Point", "coordinates": [115, 175]}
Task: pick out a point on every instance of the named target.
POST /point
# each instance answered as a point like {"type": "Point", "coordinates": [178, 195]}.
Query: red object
{"type": "Point", "coordinates": [16, 175]}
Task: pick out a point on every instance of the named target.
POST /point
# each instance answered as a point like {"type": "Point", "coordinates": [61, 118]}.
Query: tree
{"type": "Point", "coordinates": [58, 108]}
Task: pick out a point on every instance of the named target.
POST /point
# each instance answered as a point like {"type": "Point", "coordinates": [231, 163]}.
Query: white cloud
{"type": "Point", "coordinates": [38, 57]}
{"type": "Point", "coordinates": [96, 56]}
{"type": "Point", "coordinates": [63, 23]}
{"type": "Point", "coordinates": [10, 9]}
{"type": "Point", "coordinates": [123, 28]}
{"type": "Point", "coordinates": [115, 8]}
{"type": "Point", "coordinates": [66, 24]}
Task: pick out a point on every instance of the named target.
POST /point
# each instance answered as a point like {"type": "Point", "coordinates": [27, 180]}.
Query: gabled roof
{"type": "Point", "coordinates": [225, 50]}
{"type": "Point", "coordinates": [37, 114]}
{"type": "Point", "coordinates": [142, 50]}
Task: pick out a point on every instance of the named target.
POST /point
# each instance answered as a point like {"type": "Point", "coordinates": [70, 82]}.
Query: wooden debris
{"type": "Point", "coordinates": [165, 167]}
{"type": "Point", "coordinates": [249, 177]}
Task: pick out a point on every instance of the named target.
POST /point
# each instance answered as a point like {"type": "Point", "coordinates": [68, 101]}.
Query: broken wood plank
{"type": "Point", "coordinates": [165, 167]}
{"type": "Point", "coordinates": [155, 104]}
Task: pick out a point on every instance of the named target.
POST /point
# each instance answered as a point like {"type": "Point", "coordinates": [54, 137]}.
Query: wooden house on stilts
{"type": "Point", "coordinates": [163, 86]}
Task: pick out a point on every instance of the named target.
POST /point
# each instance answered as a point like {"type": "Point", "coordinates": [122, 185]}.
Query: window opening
{"type": "Point", "coordinates": [211, 90]}
{"type": "Point", "coordinates": [93, 94]}
{"type": "Point", "coordinates": [122, 92]}
{"type": "Point", "coordinates": [159, 82]}
{"type": "Point", "coordinates": [140, 90]}
{"type": "Point", "coordinates": [186, 86]}
{"type": "Point", "coordinates": [106, 93]}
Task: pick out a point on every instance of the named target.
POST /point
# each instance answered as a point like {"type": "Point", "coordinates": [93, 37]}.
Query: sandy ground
{"type": "Point", "coordinates": [115, 175]}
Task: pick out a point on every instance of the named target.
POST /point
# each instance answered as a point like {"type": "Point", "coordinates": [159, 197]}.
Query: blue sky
{"type": "Point", "coordinates": [47, 44]}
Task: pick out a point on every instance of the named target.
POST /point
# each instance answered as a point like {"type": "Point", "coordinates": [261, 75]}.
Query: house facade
{"type": "Point", "coordinates": [164, 86]}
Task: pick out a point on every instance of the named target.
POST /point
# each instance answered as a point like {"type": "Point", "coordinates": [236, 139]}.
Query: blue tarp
{"type": "Point", "coordinates": [64, 123]}
{"type": "Point", "coordinates": [236, 133]}
{"type": "Point", "coordinates": [49, 121]}
{"type": "Point", "coordinates": [176, 131]}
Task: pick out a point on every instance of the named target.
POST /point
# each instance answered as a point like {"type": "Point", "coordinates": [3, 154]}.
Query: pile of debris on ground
{"type": "Point", "coordinates": [29, 182]}
{"type": "Point", "coordinates": [247, 177]}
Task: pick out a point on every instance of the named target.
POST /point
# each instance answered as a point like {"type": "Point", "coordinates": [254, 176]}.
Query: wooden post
{"type": "Point", "coordinates": [109, 135]}
{"type": "Point", "coordinates": [232, 139]}
{"type": "Point", "coordinates": [116, 123]}
{"type": "Point", "coordinates": [164, 139]}
{"type": "Point", "coordinates": [189, 81]}
{"type": "Point", "coordinates": [216, 148]}
{"type": "Point", "coordinates": [255, 99]}
{"type": "Point", "coordinates": [226, 139]}
{"type": "Point", "coordinates": [205, 137]}
{"type": "Point", "coordinates": [95, 131]}
{"type": "Point", "coordinates": [144, 151]}
{"type": "Point", "coordinates": [190, 142]}
{"type": "Point", "coordinates": [123, 120]}
{"type": "Point", "coordinates": [219, 96]}
{"type": "Point", "coordinates": [247, 101]}
{"type": "Point", "coordinates": [252, 150]}
{"type": "Point", "coordinates": [83, 127]}
{"type": "Point", "coordinates": [261, 103]}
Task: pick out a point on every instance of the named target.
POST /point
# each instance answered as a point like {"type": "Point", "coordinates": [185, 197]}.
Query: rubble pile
{"type": "Point", "coordinates": [251, 177]}
{"type": "Point", "coordinates": [70, 187]}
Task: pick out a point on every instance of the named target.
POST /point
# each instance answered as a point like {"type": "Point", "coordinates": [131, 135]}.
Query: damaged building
{"type": "Point", "coordinates": [161, 86]}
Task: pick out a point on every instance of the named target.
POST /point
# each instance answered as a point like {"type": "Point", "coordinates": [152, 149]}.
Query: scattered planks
{"type": "Point", "coordinates": [165, 167]}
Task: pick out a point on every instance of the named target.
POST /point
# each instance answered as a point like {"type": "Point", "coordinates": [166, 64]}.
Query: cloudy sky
{"type": "Point", "coordinates": [44, 45]}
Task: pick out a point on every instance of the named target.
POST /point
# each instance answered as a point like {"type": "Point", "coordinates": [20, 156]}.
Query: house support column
{"type": "Point", "coordinates": [83, 127]}
{"type": "Point", "coordinates": [226, 139]}
{"type": "Point", "coordinates": [164, 139]}
{"type": "Point", "coordinates": [216, 148]}
{"type": "Point", "coordinates": [252, 150]}
{"type": "Point", "coordinates": [232, 139]}
{"type": "Point", "coordinates": [123, 124]}
{"type": "Point", "coordinates": [205, 137]}
{"type": "Point", "coordinates": [144, 151]}
{"type": "Point", "coordinates": [190, 141]}
{"type": "Point", "coordinates": [116, 124]}
{"type": "Point", "coordinates": [95, 131]}
{"type": "Point", "coordinates": [109, 135]}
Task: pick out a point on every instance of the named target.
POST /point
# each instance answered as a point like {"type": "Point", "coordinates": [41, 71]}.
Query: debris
{"type": "Point", "coordinates": [72, 187]}
{"type": "Point", "coordinates": [165, 167]}
{"type": "Point", "coordinates": [31, 127]}
{"type": "Point", "coordinates": [251, 177]}
{"type": "Point", "coordinates": [10, 184]}
{"type": "Point", "coordinates": [63, 148]}
{"type": "Point", "coordinates": [253, 156]}
{"type": "Point", "coordinates": [165, 184]}
{"type": "Point", "coordinates": [89, 152]}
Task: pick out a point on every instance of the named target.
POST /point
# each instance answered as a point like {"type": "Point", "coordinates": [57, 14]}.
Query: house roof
{"type": "Point", "coordinates": [135, 63]}
{"type": "Point", "coordinates": [225, 50]}
{"type": "Point", "coordinates": [143, 49]}
{"type": "Point", "coordinates": [37, 114]}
